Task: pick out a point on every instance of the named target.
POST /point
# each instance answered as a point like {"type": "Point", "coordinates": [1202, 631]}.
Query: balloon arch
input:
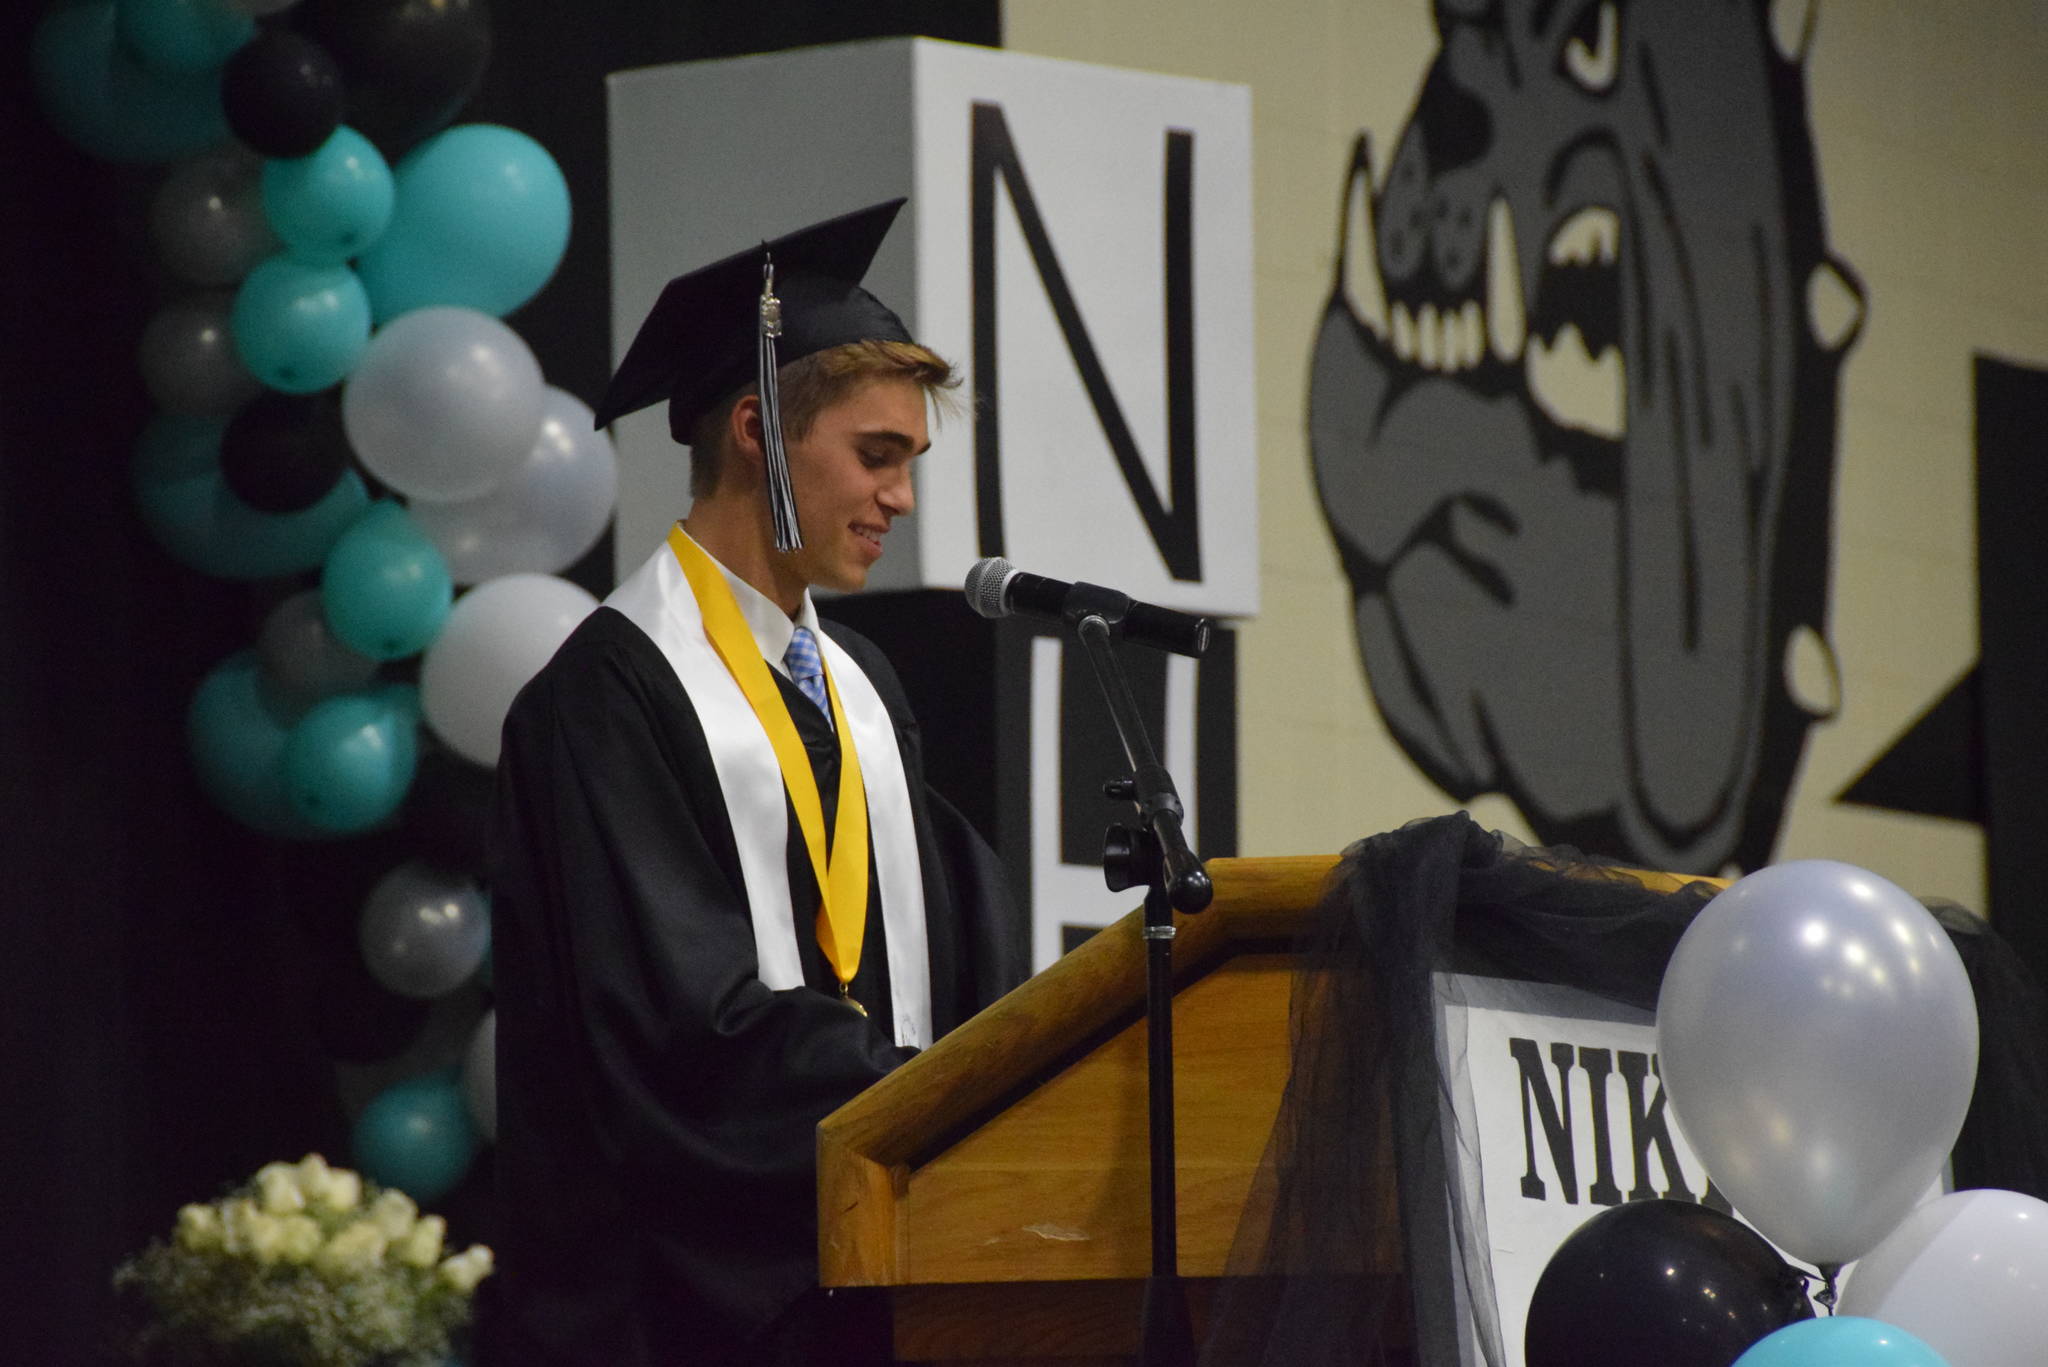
{"type": "Point", "coordinates": [341, 406]}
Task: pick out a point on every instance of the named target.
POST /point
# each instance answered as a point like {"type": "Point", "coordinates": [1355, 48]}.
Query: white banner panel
{"type": "Point", "coordinates": [1078, 240]}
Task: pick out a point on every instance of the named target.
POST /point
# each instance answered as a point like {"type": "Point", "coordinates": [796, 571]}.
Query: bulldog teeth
{"type": "Point", "coordinates": [1472, 330]}
{"type": "Point", "coordinates": [1576, 389]}
{"type": "Point", "coordinates": [1364, 290]}
{"type": "Point", "coordinates": [1592, 236]}
{"type": "Point", "coordinates": [1428, 340]}
{"type": "Point", "coordinates": [1403, 333]}
{"type": "Point", "coordinates": [1507, 321]}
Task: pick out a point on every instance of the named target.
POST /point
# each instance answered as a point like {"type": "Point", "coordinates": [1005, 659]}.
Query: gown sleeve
{"type": "Point", "coordinates": [658, 1102]}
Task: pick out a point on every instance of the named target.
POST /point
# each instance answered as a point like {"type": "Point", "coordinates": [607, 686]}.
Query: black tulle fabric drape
{"type": "Point", "coordinates": [1355, 1177]}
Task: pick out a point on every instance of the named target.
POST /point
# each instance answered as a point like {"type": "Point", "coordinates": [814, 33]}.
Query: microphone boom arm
{"type": "Point", "coordinates": [1181, 877]}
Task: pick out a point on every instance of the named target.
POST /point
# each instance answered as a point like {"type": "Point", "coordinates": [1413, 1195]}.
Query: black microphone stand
{"type": "Point", "coordinates": [1155, 854]}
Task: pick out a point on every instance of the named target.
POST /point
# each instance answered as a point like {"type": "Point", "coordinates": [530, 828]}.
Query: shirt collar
{"type": "Point", "coordinates": [772, 628]}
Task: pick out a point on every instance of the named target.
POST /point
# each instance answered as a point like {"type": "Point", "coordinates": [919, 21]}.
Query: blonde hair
{"type": "Point", "coordinates": [811, 384]}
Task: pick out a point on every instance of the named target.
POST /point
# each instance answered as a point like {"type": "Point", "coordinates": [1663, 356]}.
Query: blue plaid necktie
{"type": "Point", "coordinates": [806, 669]}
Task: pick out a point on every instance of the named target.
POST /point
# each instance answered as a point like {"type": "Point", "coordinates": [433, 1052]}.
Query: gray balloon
{"type": "Point", "coordinates": [188, 358]}
{"type": "Point", "coordinates": [207, 217]}
{"type": "Point", "coordinates": [1817, 1039]}
{"type": "Point", "coordinates": [301, 659]}
{"type": "Point", "coordinates": [480, 1076]}
{"type": "Point", "coordinates": [424, 930]}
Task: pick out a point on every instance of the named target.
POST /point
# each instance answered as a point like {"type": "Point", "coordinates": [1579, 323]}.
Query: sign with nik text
{"type": "Point", "coordinates": [1077, 240]}
{"type": "Point", "coordinates": [1558, 1112]}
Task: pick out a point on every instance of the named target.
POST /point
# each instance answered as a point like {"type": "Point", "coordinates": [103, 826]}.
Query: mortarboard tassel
{"type": "Point", "coordinates": [781, 497]}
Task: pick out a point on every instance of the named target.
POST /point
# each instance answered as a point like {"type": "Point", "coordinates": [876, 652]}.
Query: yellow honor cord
{"type": "Point", "coordinates": [842, 872]}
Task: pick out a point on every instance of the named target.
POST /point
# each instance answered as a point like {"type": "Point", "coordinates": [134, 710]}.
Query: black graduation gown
{"type": "Point", "coordinates": [657, 1103]}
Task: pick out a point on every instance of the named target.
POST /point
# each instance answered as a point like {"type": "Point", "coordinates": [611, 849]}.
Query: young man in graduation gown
{"type": "Point", "coordinates": [723, 900]}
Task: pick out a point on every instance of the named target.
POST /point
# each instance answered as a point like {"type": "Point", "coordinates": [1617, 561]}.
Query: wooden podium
{"type": "Point", "coordinates": [997, 1183]}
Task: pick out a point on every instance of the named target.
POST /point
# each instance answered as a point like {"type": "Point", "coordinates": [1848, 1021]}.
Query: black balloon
{"type": "Point", "coordinates": [1663, 1282]}
{"type": "Point", "coordinates": [282, 453]}
{"type": "Point", "coordinates": [410, 65]}
{"type": "Point", "coordinates": [282, 94]}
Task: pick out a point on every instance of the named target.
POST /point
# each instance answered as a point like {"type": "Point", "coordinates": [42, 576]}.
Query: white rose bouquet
{"type": "Point", "coordinates": [306, 1265]}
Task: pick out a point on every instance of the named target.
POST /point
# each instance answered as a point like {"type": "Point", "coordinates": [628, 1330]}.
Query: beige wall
{"type": "Point", "coordinates": [1929, 127]}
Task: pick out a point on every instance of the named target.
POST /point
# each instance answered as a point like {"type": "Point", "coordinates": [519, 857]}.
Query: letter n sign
{"type": "Point", "coordinates": [1077, 239]}
{"type": "Point", "coordinates": [1175, 529]}
{"type": "Point", "coordinates": [1109, 320]}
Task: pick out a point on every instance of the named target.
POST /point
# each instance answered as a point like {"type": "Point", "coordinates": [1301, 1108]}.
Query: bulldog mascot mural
{"type": "Point", "coordinates": [1572, 418]}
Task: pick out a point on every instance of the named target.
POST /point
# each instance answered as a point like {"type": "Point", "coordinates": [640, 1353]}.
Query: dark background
{"type": "Point", "coordinates": [176, 992]}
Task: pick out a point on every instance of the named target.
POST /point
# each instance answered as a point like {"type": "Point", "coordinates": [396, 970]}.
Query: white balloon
{"type": "Point", "coordinates": [443, 404]}
{"type": "Point", "coordinates": [542, 517]}
{"type": "Point", "coordinates": [1967, 1272]}
{"type": "Point", "coordinates": [497, 636]}
{"type": "Point", "coordinates": [480, 1076]}
{"type": "Point", "coordinates": [1817, 1037]}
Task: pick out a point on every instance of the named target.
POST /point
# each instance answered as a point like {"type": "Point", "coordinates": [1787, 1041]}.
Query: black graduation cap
{"type": "Point", "coordinates": [736, 320]}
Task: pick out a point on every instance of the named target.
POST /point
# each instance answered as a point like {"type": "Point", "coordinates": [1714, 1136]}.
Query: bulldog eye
{"type": "Point", "coordinates": [1592, 50]}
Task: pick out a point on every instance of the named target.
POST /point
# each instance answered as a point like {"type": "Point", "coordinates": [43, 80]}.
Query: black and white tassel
{"type": "Point", "coordinates": [781, 497]}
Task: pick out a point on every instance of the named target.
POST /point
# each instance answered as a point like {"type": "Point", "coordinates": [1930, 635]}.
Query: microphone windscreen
{"type": "Point", "coordinates": [985, 585]}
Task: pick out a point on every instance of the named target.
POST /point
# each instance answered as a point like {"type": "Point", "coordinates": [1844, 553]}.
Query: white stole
{"type": "Point", "coordinates": [657, 599]}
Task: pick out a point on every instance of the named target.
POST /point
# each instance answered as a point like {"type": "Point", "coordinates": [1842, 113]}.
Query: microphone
{"type": "Point", "coordinates": [996, 588]}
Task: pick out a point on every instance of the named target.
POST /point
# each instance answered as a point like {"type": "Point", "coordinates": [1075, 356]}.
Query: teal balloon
{"type": "Point", "coordinates": [180, 37]}
{"type": "Point", "coordinates": [417, 1136]}
{"type": "Point", "coordinates": [332, 205]}
{"type": "Point", "coordinates": [481, 222]}
{"type": "Point", "coordinates": [107, 103]}
{"type": "Point", "coordinates": [1841, 1341]}
{"type": "Point", "coordinates": [384, 586]}
{"type": "Point", "coordinates": [300, 326]}
{"type": "Point", "coordinates": [198, 520]}
{"type": "Point", "coordinates": [237, 740]}
{"type": "Point", "coordinates": [349, 762]}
